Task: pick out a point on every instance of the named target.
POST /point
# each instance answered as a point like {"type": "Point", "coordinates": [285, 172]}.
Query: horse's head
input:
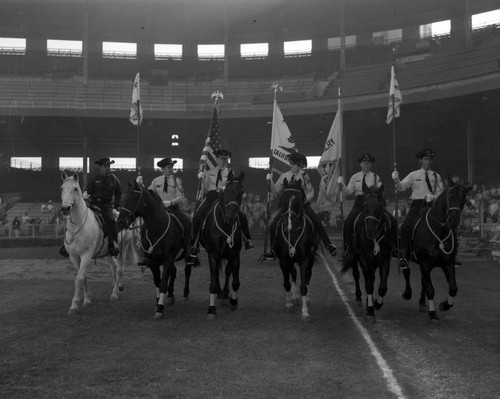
{"type": "Point", "coordinates": [132, 206]}
{"type": "Point", "coordinates": [70, 193]}
{"type": "Point", "coordinates": [373, 211]}
{"type": "Point", "coordinates": [456, 198]}
{"type": "Point", "coordinates": [232, 196]}
{"type": "Point", "coordinates": [292, 201]}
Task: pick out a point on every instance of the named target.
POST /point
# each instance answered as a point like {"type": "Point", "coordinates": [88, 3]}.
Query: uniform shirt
{"type": "Point", "coordinates": [210, 181]}
{"type": "Point", "coordinates": [416, 181]}
{"type": "Point", "coordinates": [300, 175]}
{"type": "Point", "coordinates": [174, 191]}
{"type": "Point", "coordinates": [355, 185]}
{"type": "Point", "coordinates": [105, 189]}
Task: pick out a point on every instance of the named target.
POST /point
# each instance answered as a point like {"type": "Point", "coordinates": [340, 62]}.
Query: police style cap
{"type": "Point", "coordinates": [222, 153]}
{"type": "Point", "coordinates": [426, 153]}
{"type": "Point", "coordinates": [366, 157]}
{"type": "Point", "coordinates": [165, 162]}
{"type": "Point", "coordinates": [298, 159]}
{"type": "Point", "coordinates": [104, 161]}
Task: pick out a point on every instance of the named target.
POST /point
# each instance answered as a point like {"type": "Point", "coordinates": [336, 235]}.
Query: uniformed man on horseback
{"type": "Point", "coordinates": [169, 188]}
{"type": "Point", "coordinates": [104, 192]}
{"type": "Point", "coordinates": [213, 183]}
{"type": "Point", "coordinates": [358, 185]}
{"type": "Point", "coordinates": [297, 164]}
{"type": "Point", "coordinates": [426, 185]}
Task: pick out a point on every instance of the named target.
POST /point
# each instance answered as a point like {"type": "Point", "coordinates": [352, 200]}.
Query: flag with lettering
{"type": "Point", "coordinates": [136, 114]}
{"type": "Point", "coordinates": [213, 143]}
{"type": "Point", "coordinates": [282, 144]}
{"type": "Point", "coordinates": [395, 98]}
{"type": "Point", "coordinates": [329, 162]}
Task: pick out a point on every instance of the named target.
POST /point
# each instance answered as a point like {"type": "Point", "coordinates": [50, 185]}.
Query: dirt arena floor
{"type": "Point", "coordinates": [117, 350]}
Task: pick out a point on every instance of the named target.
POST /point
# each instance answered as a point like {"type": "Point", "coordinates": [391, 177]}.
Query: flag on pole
{"type": "Point", "coordinates": [282, 144]}
{"type": "Point", "coordinates": [136, 114]}
{"type": "Point", "coordinates": [213, 143]}
{"type": "Point", "coordinates": [329, 162]}
{"type": "Point", "coordinates": [394, 96]}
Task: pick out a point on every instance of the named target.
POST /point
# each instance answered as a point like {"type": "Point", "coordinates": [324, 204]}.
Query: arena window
{"type": "Point", "coordinates": [263, 162]}
{"type": "Point", "coordinates": [207, 52]}
{"type": "Point", "coordinates": [119, 50]}
{"type": "Point", "coordinates": [387, 37]}
{"type": "Point", "coordinates": [124, 163]}
{"type": "Point", "coordinates": [12, 46]}
{"type": "Point", "coordinates": [440, 28]}
{"type": "Point", "coordinates": [254, 51]}
{"type": "Point", "coordinates": [73, 164]}
{"type": "Point", "coordinates": [175, 140]}
{"type": "Point", "coordinates": [64, 48]}
{"type": "Point", "coordinates": [168, 52]}
{"type": "Point", "coordinates": [334, 42]}
{"type": "Point", "coordinates": [485, 19]}
{"type": "Point", "coordinates": [178, 166]}
{"type": "Point", "coordinates": [30, 163]}
{"type": "Point", "coordinates": [298, 48]}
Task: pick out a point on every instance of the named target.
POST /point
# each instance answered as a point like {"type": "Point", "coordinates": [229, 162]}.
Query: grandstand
{"type": "Point", "coordinates": [62, 103]}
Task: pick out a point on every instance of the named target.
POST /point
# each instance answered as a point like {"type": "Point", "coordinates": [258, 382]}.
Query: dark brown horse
{"type": "Point", "coordinates": [221, 237]}
{"type": "Point", "coordinates": [435, 244]}
{"type": "Point", "coordinates": [295, 241]}
{"type": "Point", "coordinates": [374, 239]}
{"type": "Point", "coordinates": [163, 240]}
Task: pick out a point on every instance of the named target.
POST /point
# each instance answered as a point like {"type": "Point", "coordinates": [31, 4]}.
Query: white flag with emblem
{"type": "Point", "coordinates": [136, 115]}
{"type": "Point", "coordinates": [282, 144]}
{"type": "Point", "coordinates": [395, 98]}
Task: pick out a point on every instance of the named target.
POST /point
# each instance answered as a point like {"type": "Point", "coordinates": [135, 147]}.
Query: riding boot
{"type": "Point", "coordinates": [63, 251]}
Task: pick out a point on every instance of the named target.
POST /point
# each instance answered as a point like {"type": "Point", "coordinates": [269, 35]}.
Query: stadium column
{"type": "Point", "coordinates": [461, 29]}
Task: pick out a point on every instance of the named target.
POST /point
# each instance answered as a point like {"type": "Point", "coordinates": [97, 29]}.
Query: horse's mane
{"type": "Point", "coordinates": [155, 196]}
{"type": "Point", "coordinates": [294, 185]}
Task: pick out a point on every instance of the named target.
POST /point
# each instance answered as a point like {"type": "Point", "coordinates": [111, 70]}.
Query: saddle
{"type": "Point", "coordinates": [100, 219]}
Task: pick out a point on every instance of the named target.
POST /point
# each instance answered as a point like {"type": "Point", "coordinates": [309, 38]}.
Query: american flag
{"type": "Point", "coordinates": [212, 144]}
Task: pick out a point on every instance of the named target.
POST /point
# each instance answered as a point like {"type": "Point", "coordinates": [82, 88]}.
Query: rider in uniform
{"type": "Point", "coordinates": [169, 187]}
{"type": "Point", "coordinates": [358, 185]}
{"type": "Point", "coordinates": [104, 191]}
{"type": "Point", "coordinates": [297, 164]}
{"type": "Point", "coordinates": [426, 185]}
{"type": "Point", "coordinates": [213, 182]}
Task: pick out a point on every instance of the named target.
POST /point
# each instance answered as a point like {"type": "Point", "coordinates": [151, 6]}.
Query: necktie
{"type": "Point", "coordinates": [364, 187]}
{"type": "Point", "coordinates": [219, 178]}
{"type": "Point", "coordinates": [428, 182]}
{"type": "Point", "coordinates": [165, 185]}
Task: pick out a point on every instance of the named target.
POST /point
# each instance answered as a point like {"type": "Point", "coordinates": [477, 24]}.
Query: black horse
{"type": "Point", "coordinates": [221, 237]}
{"type": "Point", "coordinates": [375, 237]}
{"type": "Point", "coordinates": [295, 241]}
{"type": "Point", "coordinates": [434, 244]}
{"type": "Point", "coordinates": [163, 240]}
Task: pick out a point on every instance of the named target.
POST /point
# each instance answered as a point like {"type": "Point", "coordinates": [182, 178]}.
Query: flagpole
{"type": "Point", "coordinates": [396, 211]}
{"type": "Point", "coordinates": [341, 170]}
{"type": "Point", "coordinates": [276, 86]}
{"type": "Point", "coordinates": [138, 137]}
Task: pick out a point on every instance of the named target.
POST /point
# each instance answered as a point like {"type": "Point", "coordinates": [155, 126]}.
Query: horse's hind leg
{"type": "Point", "coordinates": [382, 288]}
{"type": "Point", "coordinates": [407, 292]}
{"type": "Point", "coordinates": [425, 270]}
{"type": "Point", "coordinates": [355, 275]}
{"type": "Point", "coordinates": [294, 289]}
{"type": "Point", "coordinates": [155, 270]}
{"type": "Point", "coordinates": [286, 284]}
{"type": "Point", "coordinates": [303, 288]}
{"type": "Point", "coordinates": [117, 274]}
{"type": "Point", "coordinates": [227, 274]}
{"type": "Point", "coordinates": [214, 264]}
{"type": "Point", "coordinates": [235, 286]}
{"type": "Point", "coordinates": [172, 275]}
{"type": "Point", "coordinates": [187, 277]}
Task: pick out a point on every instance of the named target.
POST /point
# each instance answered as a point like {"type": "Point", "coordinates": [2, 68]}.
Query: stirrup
{"type": "Point", "coordinates": [332, 249]}
{"type": "Point", "coordinates": [248, 245]}
{"type": "Point", "coordinates": [403, 264]}
{"type": "Point", "coordinates": [271, 255]}
{"type": "Point", "coordinates": [193, 251]}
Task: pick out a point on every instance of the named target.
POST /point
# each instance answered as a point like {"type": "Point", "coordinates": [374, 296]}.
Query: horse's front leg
{"type": "Point", "coordinates": [214, 264]}
{"type": "Point", "coordinates": [168, 265]}
{"type": "Point", "coordinates": [369, 277]}
{"type": "Point", "coordinates": [285, 270]}
{"type": "Point", "coordinates": [235, 286]}
{"type": "Point", "coordinates": [407, 292]}
{"type": "Point", "coordinates": [227, 274]}
{"type": "Point", "coordinates": [172, 275]}
{"type": "Point", "coordinates": [355, 275]}
{"type": "Point", "coordinates": [449, 272]}
{"type": "Point", "coordinates": [303, 288]}
{"type": "Point", "coordinates": [116, 272]}
{"type": "Point", "coordinates": [187, 277]}
{"type": "Point", "coordinates": [428, 289]}
{"type": "Point", "coordinates": [294, 289]}
{"type": "Point", "coordinates": [384, 269]}
{"type": "Point", "coordinates": [80, 283]}
{"type": "Point", "coordinates": [155, 271]}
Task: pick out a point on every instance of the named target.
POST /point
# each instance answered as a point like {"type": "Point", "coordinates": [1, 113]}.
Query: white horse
{"type": "Point", "coordinates": [84, 241]}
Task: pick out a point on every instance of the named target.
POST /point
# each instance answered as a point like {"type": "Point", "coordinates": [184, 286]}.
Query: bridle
{"type": "Point", "coordinates": [379, 225]}
{"type": "Point", "coordinates": [70, 204]}
{"type": "Point", "coordinates": [133, 213]}
{"type": "Point", "coordinates": [225, 206]}
{"type": "Point", "coordinates": [289, 214]}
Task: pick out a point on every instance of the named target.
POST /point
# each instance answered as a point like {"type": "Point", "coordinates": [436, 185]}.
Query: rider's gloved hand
{"type": "Point", "coordinates": [200, 175]}
{"type": "Point", "coordinates": [269, 176]}
{"type": "Point", "coordinates": [85, 195]}
{"type": "Point", "coordinates": [395, 175]}
{"type": "Point", "coordinates": [139, 180]}
{"type": "Point", "coordinates": [115, 213]}
{"type": "Point", "coordinates": [340, 180]}
{"type": "Point", "coordinates": [430, 198]}
{"type": "Point", "coordinates": [167, 203]}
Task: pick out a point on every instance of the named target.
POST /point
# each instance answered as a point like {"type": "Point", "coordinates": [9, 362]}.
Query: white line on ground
{"type": "Point", "coordinates": [392, 383]}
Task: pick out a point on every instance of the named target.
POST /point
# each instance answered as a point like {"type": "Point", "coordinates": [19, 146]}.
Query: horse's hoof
{"type": "Point", "coordinates": [185, 298]}
{"type": "Point", "coordinates": [296, 301]}
{"type": "Point", "coordinates": [233, 303]}
{"type": "Point", "coordinates": [86, 302]}
{"type": "Point", "coordinates": [211, 311]}
{"type": "Point", "coordinates": [406, 295]}
{"type": "Point", "coordinates": [289, 308]}
{"type": "Point", "coordinates": [113, 298]}
{"type": "Point", "coordinates": [305, 318]}
{"type": "Point", "coordinates": [158, 316]}
{"type": "Point", "coordinates": [445, 306]}
{"type": "Point", "coordinates": [73, 311]}
{"type": "Point", "coordinates": [377, 305]}
{"type": "Point", "coordinates": [171, 300]}
{"type": "Point", "coordinates": [370, 311]}
{"type": "Point", "coordinates": [121, 288]}
{"type": "Point", "coordinates": [433, 316]}
{"type": "Point", "coordinates": [423, 309]}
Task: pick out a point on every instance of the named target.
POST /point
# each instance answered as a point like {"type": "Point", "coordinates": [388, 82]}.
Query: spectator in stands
{"type": "Point", "coordinates": [16, 226]}
{"type": "Point", "coordinates": [26, 217]}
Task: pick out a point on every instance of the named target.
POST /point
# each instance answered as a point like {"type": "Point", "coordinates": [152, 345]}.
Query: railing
{"type": "Point", "coordinates": [34, 231]}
